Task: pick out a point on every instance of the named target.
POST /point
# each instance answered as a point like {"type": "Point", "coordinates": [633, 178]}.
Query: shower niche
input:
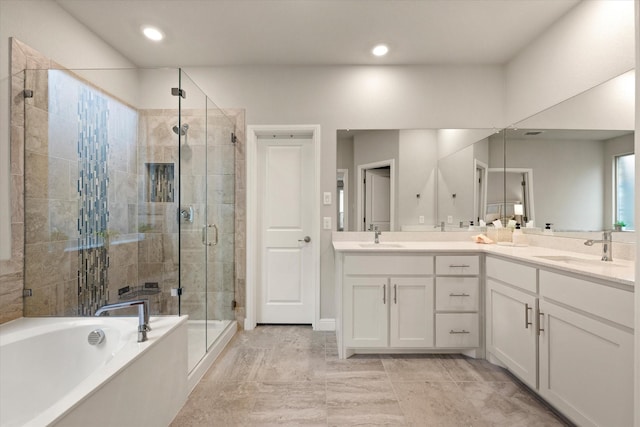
{"type": "Point", "coordinates": [160, 179]}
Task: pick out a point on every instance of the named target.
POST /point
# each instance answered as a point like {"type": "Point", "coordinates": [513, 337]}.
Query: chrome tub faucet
{"type": "Point", "coordinates": [143, 314]}
{"type": "Point", "coordinates": [607, 245]}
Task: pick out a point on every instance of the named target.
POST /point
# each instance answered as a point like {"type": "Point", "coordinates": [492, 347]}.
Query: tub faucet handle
{"type": "Point", "coordinates": [143, 314]}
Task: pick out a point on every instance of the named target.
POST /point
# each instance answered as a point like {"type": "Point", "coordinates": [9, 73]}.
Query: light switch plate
{"type": "Point", "coordinates": [421, 219]}
{"type": "Point", "coordinates": [326, 198]}
{"type": "Point", "coordinates": [326, 223]}
{"type": "Point", "coordinates": [450, 219]}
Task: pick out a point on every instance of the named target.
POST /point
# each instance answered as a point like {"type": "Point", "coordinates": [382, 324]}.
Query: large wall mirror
{"type": "Point", "coordinates": [410, 179]}
{"type": "Point", "coordinates": [575, 161]}
{"type": "Point", "coordinates": [570, 165]}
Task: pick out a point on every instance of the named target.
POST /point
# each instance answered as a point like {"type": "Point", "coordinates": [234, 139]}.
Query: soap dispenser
{"type": "Point", "coordinates": [519, 238]}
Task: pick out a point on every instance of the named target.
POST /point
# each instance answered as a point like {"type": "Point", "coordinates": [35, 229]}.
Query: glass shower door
{"type": "Point", "coordinates": [221, 163]}
{"type": "Point", "coordinates": [207, 154]}
{"type": "Point", "coordinates": [191, 133]}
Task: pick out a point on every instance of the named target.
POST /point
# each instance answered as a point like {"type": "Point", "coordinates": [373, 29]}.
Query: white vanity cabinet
{"type": "Point", "coordinates": [387, 301]}
{"type": "Point", "coordinates": [586, 350]}
{"type": "Point", "coordinates": [390, 302]}
{"type": "Point", "coordinates": [568, 338]}
{"type": "Point", "coordinates": [511, 303]}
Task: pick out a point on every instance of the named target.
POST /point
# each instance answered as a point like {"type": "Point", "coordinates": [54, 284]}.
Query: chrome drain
{"type": "Point", "coordinates": [96, 337]}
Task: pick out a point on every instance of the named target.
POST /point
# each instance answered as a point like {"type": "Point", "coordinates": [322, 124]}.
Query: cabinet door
{"type": "Point", "coordinates": [586, 367]}
{"type": "Point", "coordinates": [511, 333]}
{"type": "Point", "coordinates": [411, 315]}
{"type": "Point", "coordinates": [366, 318]}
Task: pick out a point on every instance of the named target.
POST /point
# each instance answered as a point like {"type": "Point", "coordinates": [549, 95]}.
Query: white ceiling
{"type": "Point", "coordinates": [318, 32]}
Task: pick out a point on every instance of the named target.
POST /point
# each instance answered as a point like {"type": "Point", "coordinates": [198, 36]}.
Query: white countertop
{"type": "Point", "coordinates": [618, 271]}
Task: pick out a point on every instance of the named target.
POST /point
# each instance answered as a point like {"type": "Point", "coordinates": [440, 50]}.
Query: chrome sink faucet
{"type": "Point", "coordinates": [376, 233]}
{"type": "Point", "coordinates": [607, 245]}
{"type": "Point", "coordinates": [143, 314]}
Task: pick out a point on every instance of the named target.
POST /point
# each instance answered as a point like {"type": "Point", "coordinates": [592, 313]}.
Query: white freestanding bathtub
{"type": "Point", "coordinates": [51, 375]}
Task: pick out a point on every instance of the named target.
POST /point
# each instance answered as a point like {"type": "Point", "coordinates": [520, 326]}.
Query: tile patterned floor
{"type": "Point", "coordinates": [291, 376]}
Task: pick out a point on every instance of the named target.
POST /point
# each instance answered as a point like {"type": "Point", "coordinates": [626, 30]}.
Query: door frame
{"type": "Point", "coordinates": [253, 250]}
{"type": "Point", "coordinates": [391, 163]}
{"type": "Point", "coordinates": [480, 201]}
{"type": "Point", "coordinates": [529, 173]}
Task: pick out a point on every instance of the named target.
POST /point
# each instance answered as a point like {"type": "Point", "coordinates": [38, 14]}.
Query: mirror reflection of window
{"type": "Point", "coordinates": [625, 191]}
{"type": "Point", "coordinates": [342, 202]}
{"type": "Point", "coordinates": [340, 205]}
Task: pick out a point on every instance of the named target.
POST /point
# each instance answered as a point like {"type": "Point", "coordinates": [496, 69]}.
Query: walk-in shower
{"type": "Point", "coordinates": [104, 179]}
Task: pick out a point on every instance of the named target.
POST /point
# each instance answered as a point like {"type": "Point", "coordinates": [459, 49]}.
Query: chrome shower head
{"type": "Point", "coordinates": [182, 130]}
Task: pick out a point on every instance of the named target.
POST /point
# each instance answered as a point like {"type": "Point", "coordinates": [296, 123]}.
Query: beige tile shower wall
{"type": "Point", "coordinates": [51, 203]}
{"type": "Point", "coordinates": [238, 115]}
{"type": "Point", "coordinates": [157, 226]}
{"type": "Point", "coordinates": [12, 271]}
{"type": "Point", "coordinates": [124, 239]}
{"type": "Point", "coordinates": [221, 208]}
{"type": "Point", "coordinates": [157, 220]}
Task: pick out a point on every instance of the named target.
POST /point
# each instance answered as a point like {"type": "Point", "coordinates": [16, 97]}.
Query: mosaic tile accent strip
{"type": "Point", "coordinates": [93, 183]}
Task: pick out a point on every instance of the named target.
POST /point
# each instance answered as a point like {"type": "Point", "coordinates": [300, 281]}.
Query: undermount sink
{"type": "Point", "coordinates": [567, 259]}
{"type": "Point", "coordinates": [380, 245]}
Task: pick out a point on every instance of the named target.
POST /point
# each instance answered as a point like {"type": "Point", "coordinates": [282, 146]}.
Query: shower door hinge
{"type": "Point", "coordinates": [27, 293]}
{"type": "Point", "coordinates": [234, 138]}
{"type": "Point", "coordinates": [27, 93]}
{"type": "Point", "coordinates": [234, 304]}
{"type": "Point", "coordinates": [178, 92]}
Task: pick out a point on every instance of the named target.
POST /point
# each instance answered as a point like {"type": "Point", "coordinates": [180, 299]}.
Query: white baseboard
{"type": "Point", "coordinates": [326, 325]}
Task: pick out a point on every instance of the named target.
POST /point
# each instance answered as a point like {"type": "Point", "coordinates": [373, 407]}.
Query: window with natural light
{"type": "Point", "coordinates": [625, 191]}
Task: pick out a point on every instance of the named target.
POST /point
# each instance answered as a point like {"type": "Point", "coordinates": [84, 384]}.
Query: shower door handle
{"type": "Point", "coordinates": [205, 235]}
{"type": "Point", "coordinates": [215, 227]}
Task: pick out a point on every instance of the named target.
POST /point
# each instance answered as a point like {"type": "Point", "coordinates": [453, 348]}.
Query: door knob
{"type": "Point", "coordinates": [306, 239]}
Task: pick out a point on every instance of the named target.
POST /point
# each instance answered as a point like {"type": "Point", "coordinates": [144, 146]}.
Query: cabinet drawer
{"type": "Point", "coordinates": [457, 330]}
{"type": "Point", "coordinates": [457, 293]}
{"type": "Point", "coordinates": [601, 300]}
{"type": "Point", "coordinates": [514, 274]}
{"type": "Point", "coordinates": [388, 265]}
{"type": "Point", "coordinates": [457, 265]}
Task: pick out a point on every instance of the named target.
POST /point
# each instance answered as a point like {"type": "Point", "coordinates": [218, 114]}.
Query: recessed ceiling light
{"type": "Point", "coordinates": [152, 33]}
{"type": "Point", "coordinates": [380, 50]}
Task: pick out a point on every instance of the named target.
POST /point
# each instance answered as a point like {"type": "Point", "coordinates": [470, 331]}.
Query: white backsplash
{"type": "Point", "coordinates": [620, 250]}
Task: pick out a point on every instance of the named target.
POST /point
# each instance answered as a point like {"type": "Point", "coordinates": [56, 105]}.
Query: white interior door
{"type": "Point", "coordinates": [377, 199]}
{"type": "Point", "coordinates": [285, 216]}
